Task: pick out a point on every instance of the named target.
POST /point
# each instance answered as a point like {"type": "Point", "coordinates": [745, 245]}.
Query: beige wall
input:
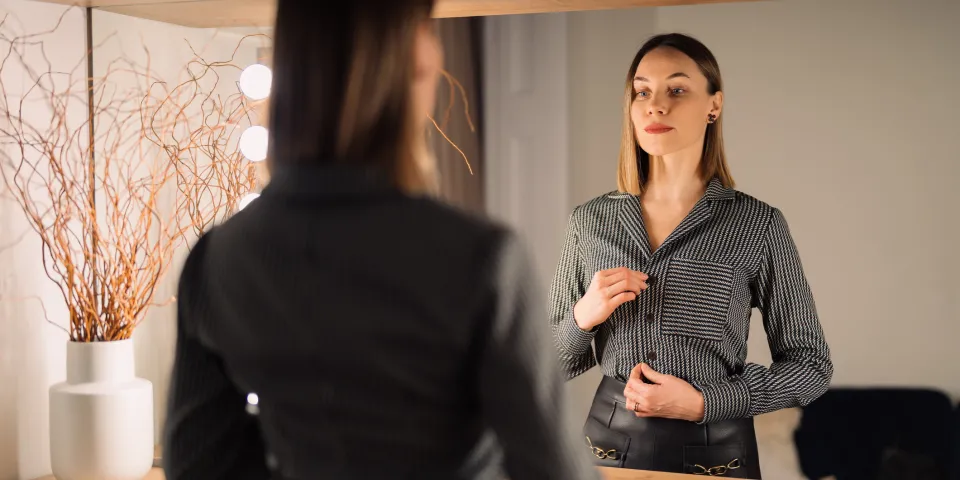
{"type": "Point", "coordinates": [601, 46]}
{"type": "Point", "coordinates": [843, 114]}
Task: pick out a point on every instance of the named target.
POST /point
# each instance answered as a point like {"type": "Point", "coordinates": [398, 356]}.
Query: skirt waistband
{"type": "Point", "coordinates": [611, 389]}
{"type": "Point", "coordinates": [618, 438]}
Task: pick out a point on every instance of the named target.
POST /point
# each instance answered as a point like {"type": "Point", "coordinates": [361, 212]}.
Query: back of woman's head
{"type": "Point", "coordinates": [343, 87]}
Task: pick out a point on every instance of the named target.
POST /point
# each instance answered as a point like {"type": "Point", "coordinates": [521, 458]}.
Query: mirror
{"type": "Point", "coordinates": [838, 114]}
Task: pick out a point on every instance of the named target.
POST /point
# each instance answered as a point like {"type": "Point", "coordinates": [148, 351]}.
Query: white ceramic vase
{"type": "Point", "coordinates": [101, 418]}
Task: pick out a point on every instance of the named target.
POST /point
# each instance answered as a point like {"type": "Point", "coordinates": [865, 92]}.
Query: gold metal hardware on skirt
{"type": "Point", "coordinates": [719, 470]}
{"type": "Point", "coordinates": [602, 454]}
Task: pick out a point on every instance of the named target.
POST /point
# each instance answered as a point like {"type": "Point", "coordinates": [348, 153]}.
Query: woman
{"type": "Point", "coordinates": [662, 275]}
{"type": "Point", "coordinates": [345, 325]}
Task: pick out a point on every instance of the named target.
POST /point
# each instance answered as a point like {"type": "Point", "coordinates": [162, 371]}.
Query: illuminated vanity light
{"type": "Point", "coordinates": [253, 143]}
{"type": "Point", "coordinates": [256, 81]}
{"type": "Point", "coordinates": [253, 404]}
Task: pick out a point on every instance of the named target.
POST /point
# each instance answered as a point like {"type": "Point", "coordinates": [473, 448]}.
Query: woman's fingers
{"type": "Point", "coordinates": [635, 280]}
{"type": "Point", "coordinates": [629, 283]}
{"type": "Point", "coordinates": [635, 400]}
{"type": "Point", "coordinates": [612, 277]}
{"type": "Point", "coordinates": [621, 298]}
{"type": "Point", "coordinates": [639, 280]}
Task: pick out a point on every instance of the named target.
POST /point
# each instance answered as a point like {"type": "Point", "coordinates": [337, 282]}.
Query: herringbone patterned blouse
{"type": "Point", "coordinates": [731, 254]}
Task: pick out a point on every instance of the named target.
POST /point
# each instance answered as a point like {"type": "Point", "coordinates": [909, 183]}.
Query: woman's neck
{"type": "Point", "coordinates": [675, 178]}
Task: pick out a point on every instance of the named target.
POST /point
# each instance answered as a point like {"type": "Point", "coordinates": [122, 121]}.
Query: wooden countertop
{"type": "Point", "coordinates": [608, 474]}
{"type": "Point", "coordinates": [627, 474]}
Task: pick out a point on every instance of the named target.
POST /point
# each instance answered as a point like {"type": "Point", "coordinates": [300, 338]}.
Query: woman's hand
{"type": "Point", "coordinates": [608, 290]}
{"type": "Point", "coordinates": [667, 397]}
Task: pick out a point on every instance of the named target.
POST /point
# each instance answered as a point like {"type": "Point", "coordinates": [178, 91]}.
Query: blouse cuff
{"type": "Point", "coordinates": [729, 399]}
{"type": "Point", "coordinates": [572, 339]}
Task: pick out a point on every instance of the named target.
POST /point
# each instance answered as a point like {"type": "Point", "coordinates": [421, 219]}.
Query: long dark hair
{"type": "Point", "coordinates": [341, 87]}
{"type": "Point", "coordinates": [634, 164]}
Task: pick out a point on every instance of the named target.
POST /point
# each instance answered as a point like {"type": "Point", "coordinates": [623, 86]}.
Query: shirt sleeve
{"type": "Point", "coordinates": [569, 285]}
{"type": "Point", "coordinates": [521, 389]}
{"type": "Point", "coordinates": [208, 433]}
{"type": "Point", "coordinates": [801, 368]}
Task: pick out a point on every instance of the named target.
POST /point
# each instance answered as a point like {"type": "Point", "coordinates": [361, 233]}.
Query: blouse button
{"type": "Point", "coordinates": [650, 318]}
{"type": "Point", "coordinates": [651, 280]}
{"type": "Point", "coordinates": [651, 355]}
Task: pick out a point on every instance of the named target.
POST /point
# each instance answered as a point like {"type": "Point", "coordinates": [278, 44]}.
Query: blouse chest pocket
{"type": "Point", "coordinates": [696, 298]}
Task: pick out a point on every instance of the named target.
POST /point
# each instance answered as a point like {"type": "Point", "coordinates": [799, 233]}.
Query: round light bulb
{"type": "Point", "coordinates": [246, 201]}
{"type": "Point", "coordinates": [255, 81]}
{"type": "Point", "coordinates": [253, 143]}
{"type": "Point", "coordinates": [253, 404]}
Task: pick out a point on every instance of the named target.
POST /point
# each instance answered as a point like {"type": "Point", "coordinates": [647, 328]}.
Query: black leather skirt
{"type": "Point", "coordinates": [618, 438]}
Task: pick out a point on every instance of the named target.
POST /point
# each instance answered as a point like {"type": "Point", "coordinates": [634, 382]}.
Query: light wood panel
{"type": "Point", "coordinates": [238, 13]}
{"type": "Point", "coordinates": [205, 13]}
{"type": "Point", "coordinates": [476, 8]}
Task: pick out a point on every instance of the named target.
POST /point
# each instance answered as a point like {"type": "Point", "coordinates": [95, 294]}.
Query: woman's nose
{"type": "Point", "coordinates": [657, 106]}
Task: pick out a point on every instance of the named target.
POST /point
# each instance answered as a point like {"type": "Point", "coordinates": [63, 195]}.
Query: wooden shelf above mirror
{"type": "Point", "coordinates": [259, 13]}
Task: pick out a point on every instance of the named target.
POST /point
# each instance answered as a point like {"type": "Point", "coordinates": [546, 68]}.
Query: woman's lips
{"type": "Point", "coordinates": [657, 128]}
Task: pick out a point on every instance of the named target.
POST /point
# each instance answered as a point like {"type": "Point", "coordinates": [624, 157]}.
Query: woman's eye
{"type": "Point", "coordinates": [677, 91]}
{"type": "Point", "coordinates": [642, 94]}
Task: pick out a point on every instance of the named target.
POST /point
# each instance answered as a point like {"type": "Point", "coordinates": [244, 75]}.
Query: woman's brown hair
{"type": "Point", "coordinates": [341, 93]}
{"type": "Point", "coordinates": [634, 165]}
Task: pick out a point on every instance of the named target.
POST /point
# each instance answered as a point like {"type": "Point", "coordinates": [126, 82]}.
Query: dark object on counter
{"type": "Point", "coordinates": [871, 433]}
{"type": "Point", "coordinates": [900, 465]}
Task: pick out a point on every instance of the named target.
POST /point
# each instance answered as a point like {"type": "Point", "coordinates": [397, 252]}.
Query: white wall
{"type": "Point", "coordinates": [839, 112]}
{"type": "Point", "coordinates": [32, 353]}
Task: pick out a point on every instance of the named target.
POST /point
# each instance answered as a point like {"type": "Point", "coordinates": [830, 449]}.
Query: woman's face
{"type": "Point", "coordinates": [428, 62]}
{"type": "Point", "coordinates": [671, 104]}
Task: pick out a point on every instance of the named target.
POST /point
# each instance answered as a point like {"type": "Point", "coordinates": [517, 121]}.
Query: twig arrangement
{"type": "Point", "coordinates": [113, 179]}
{"type": "Point", "coordinates": [113, 188]}
{"type": "Point", "coordinates": [198, 131]}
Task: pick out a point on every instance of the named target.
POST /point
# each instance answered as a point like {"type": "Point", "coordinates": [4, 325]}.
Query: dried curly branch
{"type": "Point", "coordinates": [166, 166]}
{"type": "Point", "coordinates": [108, 234]}
{"type": "Point", "coordinates": [455, 86]}
{"type": "Point", "coordinates": [211, 173]}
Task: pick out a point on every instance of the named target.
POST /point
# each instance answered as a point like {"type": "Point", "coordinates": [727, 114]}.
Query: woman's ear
{"type": "Point", "coordinates": [716, 104]}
